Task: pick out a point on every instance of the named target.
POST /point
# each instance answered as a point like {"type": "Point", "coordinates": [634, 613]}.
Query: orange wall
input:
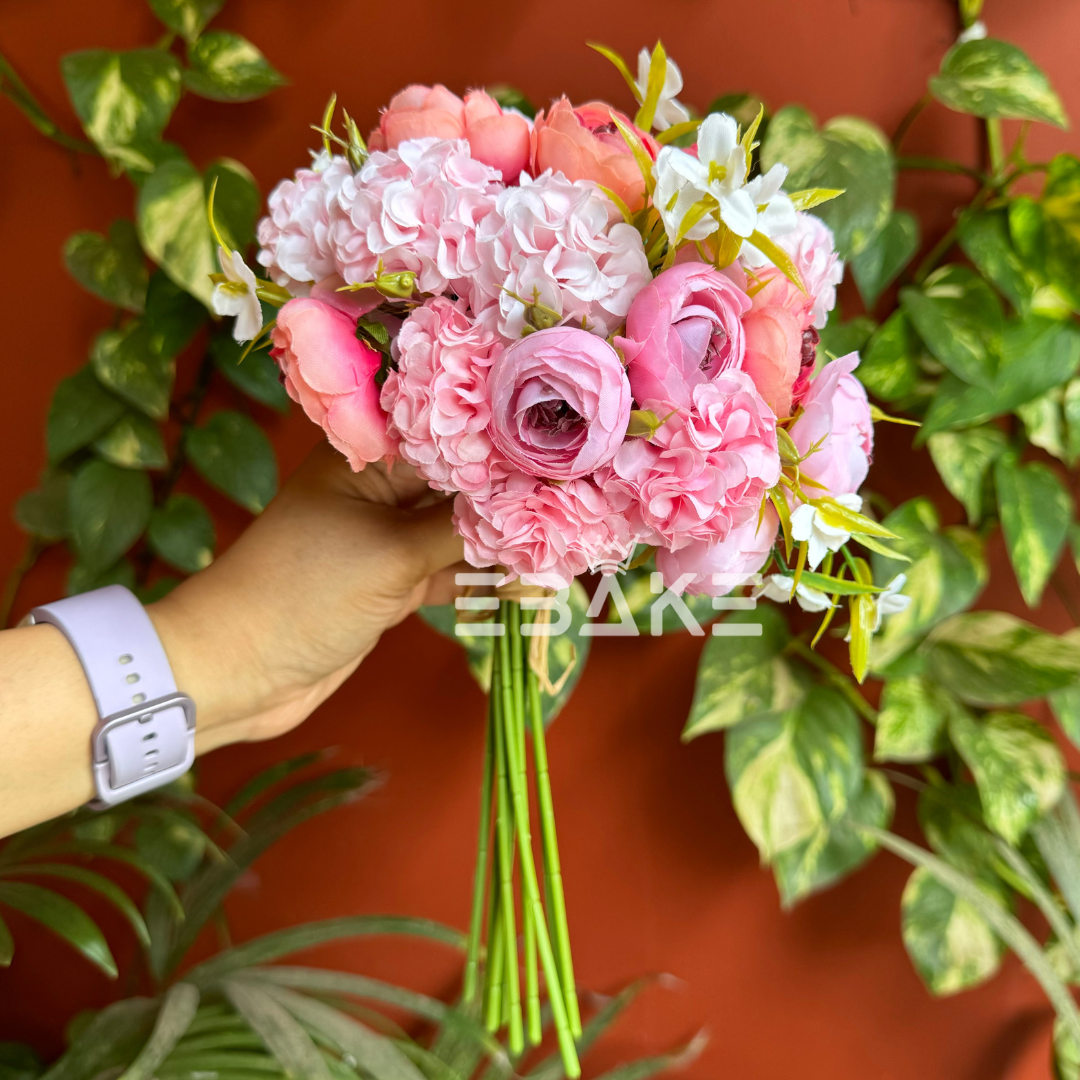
{"type": "Point", "coordinates": [660, 876]}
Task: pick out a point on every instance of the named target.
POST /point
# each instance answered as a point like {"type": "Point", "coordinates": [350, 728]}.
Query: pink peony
{"type": "Point", "coordinates": [835, 410]}
{"type": "Point", "coordinates": [566, 246]}
{"type": "Point", "coordinates": [497, 138]}
{"type": "Point", "coordinates": [414, 208]}
{"type": "Point", "coordinates": [332, 375]}
{"type": "Point", "coordinates": [560, 403]}
{"type": "Point", "coordinates": [779, 339]}
{"type": "Point", "coordinates": [437, 401]}
{"type": "Point", "coordinates": [683, 329]}
{"type": "Point", "coordinates": [585, 144]}
{"type": "Point", "coordinates": [294, 238]}
{"type": "Point", "coordinates": [704, 472]}
{"type": "Point", "coordinates": [714, 569]}
{"type": "Point", "coordinates": [549, 532]}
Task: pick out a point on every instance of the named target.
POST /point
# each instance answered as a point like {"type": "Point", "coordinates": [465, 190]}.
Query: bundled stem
{"type": "Point", "coordinates": [514, 709]}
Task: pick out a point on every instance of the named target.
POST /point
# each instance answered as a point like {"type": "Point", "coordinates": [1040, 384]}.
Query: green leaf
{"type": "Point", "coordinates": [790, 774]}
{"type": "Point", "coordinates": [257, 375]}
{"type": "Point", "coordinates": [847, 152]}
{"type": "Point", "coordinates": [186, 17]}
{"type": "Point", "coordinates": [637, 592]}
{"type": "Point", "coordinates": [951, 817]}
{"type": "Point", "coordinates": [946, 573]}
{"type": "Point", "coordinates": [984, 237]}
{"type": "Point", "coordinates": [182, 533]}
{"type": "Point", "coordinates": [82, 579]}
{"type": "Point", "coordinates": [879, 264]}
{"type": "Point", "coordinates": [177, 1011]}
{"type": "Point", "coordinates": [1017, 766]}
{"type": "Point", "coordinates": [122, 98]}
{"type": "Point", "coordinates": [510, 97]}
{"type": "Point", "coordinates": [306, 936]}
{"type": "Point", "coordinates": [959, 317]}
{"type": "Point", "coordinates": [112, 1038]}
{"type": "Point", "coordinates": [113, 268]}
{"type": "Point", "coordinates": [1065, 702]}
{"type": "Point", "coordinates": [90, 880]}
{"type": "Point", "coordinates": [1051, 228]}
{"type": "Point", "coordinates": [951, 945]}
{"type": "Point", "coordinates": [743, 678]}
{"type": "Point", "coordinates": [237, 201]}
{"type": "Point", "coordinates": [1035, 510]}
{"type": "Point", "coordinates": [990, 658]}
{"type": "Point", "coordinates": [174, 228]}
{"type": "Point", "coordinates": [233, 454]}
{"type": "Point", "coordinates": [172, 315]}
{"type": "Point", "coordinates": [838, 338]}
{"type": "Point", "coordinates": [890, 363]}
{"type": "Point", "coordinates": [911, 720]}
{"type": "Point", "coordinates": [19, 1062]}
{"type": "Point", "coordinates": [44, 512]}
{"type": "Point", "coordinates": [227, 67]}
{"type": "Point", "coordinates": [563, 649]}
{"type": "Point", "coordinates": [1038, 353]}
{"type": "Point", "coordinates": [81, 410]}
{"type": "Point", "coordinates": [963, 460]}
{"type": "Point", "coordinates": [381, 1058]}
{"type": "Point", "coordinates": [7, 945]}
{"type": "Point", "coordinates": [156, 590]}
{"type": "Point", "coordinates": [991, 78]}
{"type": "Point", "coordinates": [835, 849]}
{"type": "Point", "coordinates": [171, 843]}
{"type": "Point", "coordinates": [64, 918]}
{"type": "Point", "coordinates": [133, 442]}
{"type": "Point", "coordinates": [129, 363]}
{"type": "Point", "coordinates": [1044, 422]}
{"type": "Point", "coordinates": [109, 509]}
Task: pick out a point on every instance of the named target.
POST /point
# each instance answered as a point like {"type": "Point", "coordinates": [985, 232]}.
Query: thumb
{"type": "Point", "coordinates": [431, 538]}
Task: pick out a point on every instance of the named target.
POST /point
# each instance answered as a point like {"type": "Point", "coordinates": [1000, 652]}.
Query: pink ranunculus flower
{"type": "Point", "coordinates": [715, 568]}
{"type": "Point", "coordinates": [294, 237]}
{"type": "Point", "coordinates": [560, 403]}
{"type": "Point", "coordinates": [583, 143]}
{"type": "Point", "coordinates": [683, 329]}
{"type": "Point", "coordinates": [332, 375]}
{"type": "Point", "coordinates": [414, 208]}
{"type": "Point", "coordinates": [704, 472]}
{"type": "Point", "coordinates": [777, 342]}
{"type": "Point", "coordinates": [550, 532]}
{"type": "Point", "coordinates": [563, 244]}
{"type": "Point", "coordinates": [497, 138]}
{"type": "Point", "coordinates": [437, 401]}
{"type": "Point", "coordinates": [836, 414]}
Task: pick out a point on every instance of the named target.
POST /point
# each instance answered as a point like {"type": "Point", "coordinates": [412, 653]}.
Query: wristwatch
{"type": "Point", "coordinates": [145, 734]}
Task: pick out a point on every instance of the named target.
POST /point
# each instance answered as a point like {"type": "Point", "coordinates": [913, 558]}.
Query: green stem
{"type": "Point", "coordinates": [13, 88]}
{"type": "Point", "coordinates": [1007, 926]}
{"type": "Point", "coordinates": [505, 758]}
{"type": "Point", "coordinates": [935, 164]}
{"type": "Point", "coordinates": [909, 118]}
{"type": "Point", "coordinates": [532, 894]}
{"type": "Point", "coordinates": [835, 676]}
{"type": "Point", "coordinates": [31, 554]}
{"type": "Point", "coordinates": [552, 868]}
{"type": "Point", "coordinates": [995, 146]}
{"type": "Point", "coordinates": [476, 921]}
{"type": "Point", "coordinates": [495, 968]}
{"type": "Point", "coordinates": [532, 981]}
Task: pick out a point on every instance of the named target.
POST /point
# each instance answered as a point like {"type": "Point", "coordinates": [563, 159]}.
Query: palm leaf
{"type": "Point", "coordinates": [110, 1040]}
{"type": "Point", "coordinates": [177, 1011]}
{"type": "Point", "coordinates": [283, 1035]}
{"type": "Point", "coordinates": [295, 938]}
{"type": "Point", "coordinates": [375, 1054]}
{"type": "Point", "coordinates": [7, 945]}
{"type": "Point", "coordinates": [263, 781]}
{"type": "Point", "coordinates": [65, 919]}
{"type": "Point", "coordinates": [91, 880]}
{"type": "Point", "coordinates": [650, 1066]}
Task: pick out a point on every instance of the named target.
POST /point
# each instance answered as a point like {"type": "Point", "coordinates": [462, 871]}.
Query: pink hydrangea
{"type": "Point", "coordinates": [836, 418]}
{"type": "Point", "coordinates": [294, 238]}
{"type": "Point", "coordinates": [550, 532]}
{"type": "Point", "coordinates": [437, 401]}
{"type": "Point", "coordinates": [416, 208]}
{"type": "Point", "coordinates": [715, 568]}
{"type": "Point", "coordinates": [704, 472]}
{"type": "Point", "coordinates": [564, 244]}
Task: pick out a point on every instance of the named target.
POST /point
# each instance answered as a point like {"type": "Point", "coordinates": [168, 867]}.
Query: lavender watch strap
{"type": "Point", "coordinates": [145, 735]}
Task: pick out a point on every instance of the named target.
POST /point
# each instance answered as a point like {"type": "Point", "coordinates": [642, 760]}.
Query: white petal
{"type": "Point", "coordinates": [717, 137]}
{"type": "Point", "coordinates": [738, 213]}
{"type": "Point", "coordinates": [802, 522]}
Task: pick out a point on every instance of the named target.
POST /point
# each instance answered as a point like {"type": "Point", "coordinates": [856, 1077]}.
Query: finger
{"type": "Point", "coordinates": [432, 540]}
{"type": "Point", "coordinates": [442, 587]}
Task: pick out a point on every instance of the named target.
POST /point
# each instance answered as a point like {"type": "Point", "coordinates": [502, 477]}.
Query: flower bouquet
{"type": "Point", "coordinates": [599, 335]}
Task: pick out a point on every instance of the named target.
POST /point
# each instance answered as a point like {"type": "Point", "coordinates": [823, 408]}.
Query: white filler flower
{"type": "Point", "coordinates": [236, 295]}
{"type": "Point", "coordinates": [669, 112]}
{"type": "Point", "coordinates": [778, 587]}
{"type": "Point", "coordinates": [808, 527]}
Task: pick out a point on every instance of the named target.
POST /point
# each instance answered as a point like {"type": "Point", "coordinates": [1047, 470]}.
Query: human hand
{"type": "Point", "coordinates": [267, 632]}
